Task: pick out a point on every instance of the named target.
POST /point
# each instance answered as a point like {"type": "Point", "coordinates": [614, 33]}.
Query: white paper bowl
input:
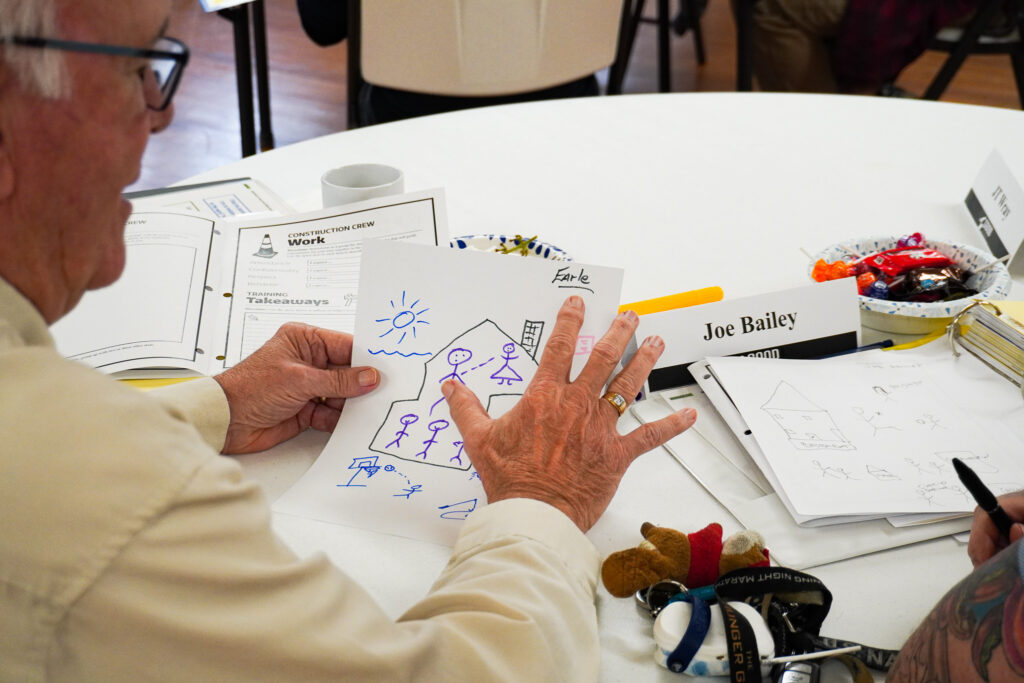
{"type": "Point", "coordinates": [910, 317]}
{"type": "Point", "coordinates": [493, 242]}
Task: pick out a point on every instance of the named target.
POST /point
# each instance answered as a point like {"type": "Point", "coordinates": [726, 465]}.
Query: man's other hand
{"type": "Point", "coordinates": [300, 378]}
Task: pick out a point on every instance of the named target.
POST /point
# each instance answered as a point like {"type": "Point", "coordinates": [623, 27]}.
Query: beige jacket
{"type": "Point", "coordinates": [131, 551]}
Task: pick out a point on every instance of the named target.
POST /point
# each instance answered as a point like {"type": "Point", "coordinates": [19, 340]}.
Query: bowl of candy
{"type": "Point", "coordinates": [515, 244]}
{"type": "Point", "coordinates": [909, 284]}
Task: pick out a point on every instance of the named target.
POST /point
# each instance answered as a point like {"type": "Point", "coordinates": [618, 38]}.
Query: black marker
{"type": "Point", "coordinates": [986, 501]}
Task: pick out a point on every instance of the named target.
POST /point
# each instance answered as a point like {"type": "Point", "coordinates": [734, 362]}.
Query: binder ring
{"type": "Point", "coordinates": [954, 325]}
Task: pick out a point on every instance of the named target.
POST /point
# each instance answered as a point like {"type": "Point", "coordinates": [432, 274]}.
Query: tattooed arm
{"type": "Point", "coordinates": [976, 632]}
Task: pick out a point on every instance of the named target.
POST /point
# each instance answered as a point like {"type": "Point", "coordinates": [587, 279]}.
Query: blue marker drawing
{"type": "Point", "coordinates": [406, 493]}
{"type": "Point", "coordinates": [505, 374]}
{"type": "Point", "coordinates": [379, 352]}
{"type": "Point", "coordinates": [459, 511]}
{"type": "Point", "coordinates": [406, 420]}
{"type": "Point", "coordinates": [404, 321]}
{"type": "Point", "coordinates": [456, 357]}
{"type": "Point", "coordinates": [366, 465]}
{"type": "Point", "coordinates": [434, 427]}
{"type": "Point", "coordinates": [458, 454]}
{"type": "Point", "coordinates": [498, 390]}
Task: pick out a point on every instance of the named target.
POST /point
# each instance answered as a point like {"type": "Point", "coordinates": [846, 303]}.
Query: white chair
{"type": "Point", "coordinates": [478, 48]}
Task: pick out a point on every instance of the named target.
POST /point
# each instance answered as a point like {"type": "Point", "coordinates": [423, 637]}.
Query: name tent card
{"type": "Point", "coordinates": [806, 322]}
{"type": "Point", "coordinates": [996, 204]}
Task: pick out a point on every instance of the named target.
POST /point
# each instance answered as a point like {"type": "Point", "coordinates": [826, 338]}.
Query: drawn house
{"type": "Point", "coordinates": [485, 359]}
{"type": "Point", "coordinates": [807, 425]}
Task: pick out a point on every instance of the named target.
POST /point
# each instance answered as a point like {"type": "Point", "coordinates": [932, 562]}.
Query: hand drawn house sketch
{"type": "Point", "coordinates": [807, 426]}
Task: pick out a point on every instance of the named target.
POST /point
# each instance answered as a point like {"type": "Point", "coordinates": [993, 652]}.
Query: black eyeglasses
{"type": "Point", "coordinates": [167, 60]}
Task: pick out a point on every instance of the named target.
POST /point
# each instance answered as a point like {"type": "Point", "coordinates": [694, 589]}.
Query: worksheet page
{"type": "Point", "coordinates": [151, 315]}
{"type": "Point", "coordinates": [306, 268]}
{"type": "Point", "coordinates": [396, 461]}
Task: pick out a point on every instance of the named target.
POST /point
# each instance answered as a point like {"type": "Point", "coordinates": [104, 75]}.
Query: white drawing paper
{"type": "Point", "coordinates": [396, 461]}
{"type": "Point", "coordinates": [875, 432]}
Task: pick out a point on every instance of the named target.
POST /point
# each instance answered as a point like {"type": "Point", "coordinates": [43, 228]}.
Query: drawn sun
{"type": "Point", "coordinates": [405, 319]}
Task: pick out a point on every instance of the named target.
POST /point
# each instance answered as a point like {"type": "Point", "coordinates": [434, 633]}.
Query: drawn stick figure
{"type": "Point", "coordinates": [505, 374]}
{"type": "Point", "coordinates": [406, 420]}
{"type": "Point", "coordinates": [407, 492]}
{"type": "Point", "coordinates": [434, 427]}
{"type": "Point", "coordinates": [458, 456]}
{"type": "Point", "coordinates": [456, 357]}
{"type": "Point", "coordinates": [832, 471]}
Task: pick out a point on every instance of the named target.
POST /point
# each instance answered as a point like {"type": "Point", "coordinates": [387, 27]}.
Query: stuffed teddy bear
{"type": "Point", "coordinates": [693, 560]}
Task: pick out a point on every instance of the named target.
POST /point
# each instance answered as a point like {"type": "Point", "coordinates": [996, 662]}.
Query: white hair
{"type": "Point", "coordinates": [41, 71]}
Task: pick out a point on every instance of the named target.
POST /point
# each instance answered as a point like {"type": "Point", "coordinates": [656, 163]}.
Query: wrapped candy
{"type": "Point", "coordinates": [909, 272]}
{"type": "Point", "coordinates": [878, 290]}
{"type": "Point", "coordinates": [864, 282]}
{"type": "Point", "coordinates": [913, 240]}
{"type": "Point", "coordinates": [893, 262]}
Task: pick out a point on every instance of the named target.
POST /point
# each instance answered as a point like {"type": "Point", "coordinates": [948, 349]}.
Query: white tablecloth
{"type": "Point", "coordinates": [683, 191]}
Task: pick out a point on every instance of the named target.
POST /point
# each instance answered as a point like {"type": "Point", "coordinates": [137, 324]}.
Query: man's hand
{"type": "Point", "coordinates": [559, 444]}
{"type": "Point", "coordinates": [300, 378]}
{"type": "Point", "coordinates": [985, 540]}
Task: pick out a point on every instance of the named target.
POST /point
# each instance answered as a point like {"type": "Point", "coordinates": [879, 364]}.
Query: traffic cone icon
{"type": "Point", "coordinates": [266, 248]}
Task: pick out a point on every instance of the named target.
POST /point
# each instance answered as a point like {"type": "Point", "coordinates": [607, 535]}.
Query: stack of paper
{"type": "Point", "coordinates": [872, 434]}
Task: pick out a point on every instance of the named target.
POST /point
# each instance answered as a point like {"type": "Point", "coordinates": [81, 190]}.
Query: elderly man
{"type": "Point", "coordinates": [130, 550]}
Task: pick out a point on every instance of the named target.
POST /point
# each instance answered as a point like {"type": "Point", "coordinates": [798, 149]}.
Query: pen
{"type": "Point", "coordinates": [986, 501]}
{"type": "Point", "coordinates": [877, 345]}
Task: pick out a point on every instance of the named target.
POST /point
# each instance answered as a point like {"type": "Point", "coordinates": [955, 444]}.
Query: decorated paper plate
{"type": "Point", "coordinates": [913, 317]}
{"type": "Point", "coordinates": [510, 244]}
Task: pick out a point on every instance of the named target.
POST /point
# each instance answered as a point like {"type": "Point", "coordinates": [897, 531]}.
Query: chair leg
{"type": "Point", "coordinates": [744, 16]}
{"type": "Point", "coordinates": [1017, 59]}
{"type": "Point", "coordinates": [354, 75]}
{"type": "Point", "coordinates": [259, 45]}
{"type": "Point", "coordinates": [1017, 56]}
{"type": "Point", "coordinates": [664, 65]}
{"type": "Point", "coordinates": [964, 46]}
{"type": "Point", "coordinates": [695, 9]}
{"type": "Point", "coordinates": [632, 10]}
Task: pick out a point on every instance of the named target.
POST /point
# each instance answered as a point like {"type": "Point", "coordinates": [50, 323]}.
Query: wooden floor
{"type": "Point", "coordinates": [308, 97]}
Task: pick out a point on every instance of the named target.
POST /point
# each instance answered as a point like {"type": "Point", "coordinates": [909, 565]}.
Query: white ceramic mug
{"type": "Point", "coordinates": [356, 182]}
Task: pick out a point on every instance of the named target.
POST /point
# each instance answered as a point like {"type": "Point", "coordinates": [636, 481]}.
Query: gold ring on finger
{"type": "Point", "coordinates": [616, 400]}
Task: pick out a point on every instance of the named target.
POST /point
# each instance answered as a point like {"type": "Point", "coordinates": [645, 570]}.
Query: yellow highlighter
{"type": "Point", "coordinates": [694, 297]}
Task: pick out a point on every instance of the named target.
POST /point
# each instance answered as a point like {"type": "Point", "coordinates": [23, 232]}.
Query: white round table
{"type": "Point", "coordinates": [682, 191]}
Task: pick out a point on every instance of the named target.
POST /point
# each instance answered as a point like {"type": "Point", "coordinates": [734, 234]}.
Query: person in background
{"type": "Point", "coordinates": [848, 46]}
{"type": "Point", "coordinates": [131, 550]}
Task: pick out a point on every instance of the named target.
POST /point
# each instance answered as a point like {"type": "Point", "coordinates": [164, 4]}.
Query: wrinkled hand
{"type": "Point", "coordinates": [559, 444]}
{"type": "Point", "coordinates": [300, 378]}
{"type": "Point", "coordinates": [985, 540]}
